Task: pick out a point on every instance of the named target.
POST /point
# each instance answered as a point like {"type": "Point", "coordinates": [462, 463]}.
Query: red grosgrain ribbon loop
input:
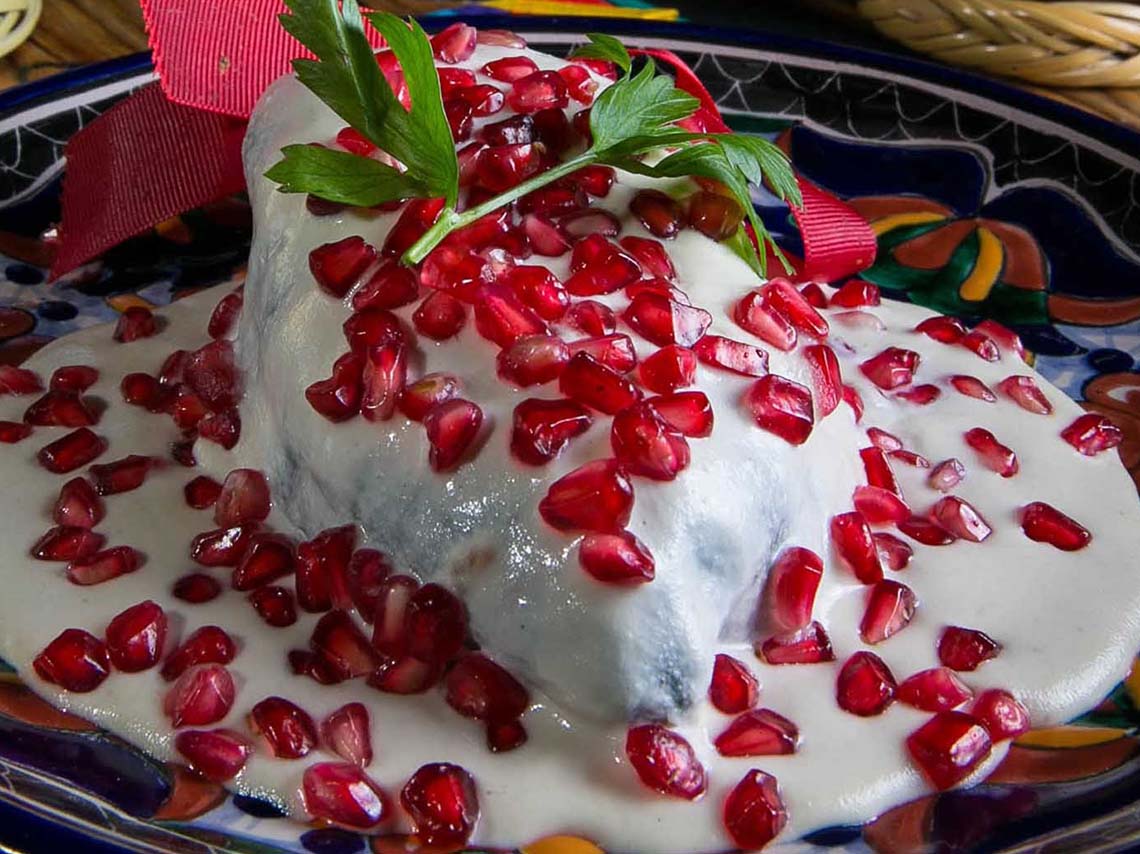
{"type": "Point", "coordinates": [838, 242]}
{"type": "Point", "coordinates": [143, 161]}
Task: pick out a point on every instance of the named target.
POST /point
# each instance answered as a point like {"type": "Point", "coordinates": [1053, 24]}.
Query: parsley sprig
{"type": "Point", "coordinates": [632, 123]}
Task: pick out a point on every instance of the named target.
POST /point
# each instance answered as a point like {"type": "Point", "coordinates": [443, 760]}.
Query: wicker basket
{"type": "Point", "coordinates": [1085, 53]}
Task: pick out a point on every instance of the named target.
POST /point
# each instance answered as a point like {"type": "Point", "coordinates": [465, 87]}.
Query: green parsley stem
{"type": "Point", "coordinates": [450, 221]}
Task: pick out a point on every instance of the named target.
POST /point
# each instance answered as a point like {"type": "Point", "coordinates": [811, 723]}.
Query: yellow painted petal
{"type": "Point", "coordinates": [1070, 736]}
{"type": "Point", "coordinates": [121, 302]}
{"type": "Point", "coordinates": [987, 268]}
{"type": "Point", "coordinates": [889, 223]}
{"type": "Point", "coordinates": [1132, 683]}
{"type": "Point", "coordinates": [561, 845]}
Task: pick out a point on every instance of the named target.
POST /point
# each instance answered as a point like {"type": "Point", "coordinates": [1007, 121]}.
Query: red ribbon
{"type": "Point", "coordinates": [152, 157]}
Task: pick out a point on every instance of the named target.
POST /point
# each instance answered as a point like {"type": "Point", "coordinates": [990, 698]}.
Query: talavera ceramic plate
{"type": "Point", "coordinates": [1033, 205]}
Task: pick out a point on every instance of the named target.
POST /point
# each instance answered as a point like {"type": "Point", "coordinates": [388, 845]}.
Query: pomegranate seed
{"type": "Point", "coordinates": [274, 605]}
{"type": "Point", "coordinates": [993, 454]}
{"type": "Point", "coordinates": [418, 398]}
{"type": "Point", "coordinates": [436, 624]}
{"type": "Point", "coordinates": [392, 286]}
{"type": "Point", "coordinates": [894, 554]}
{"type": "Point", "coordinates": [826, 379]}
{"type": "Point", "coordinates": [814, 294]}
{"type": "Point", "coordinates": [669, 369]}
{"type": "Point", "coordinates": [665, 761]}
{"type": "Point", "coordinates": [19, 381]}
{"type": "Point", "coordinates": [501, 167]}
{"type": "Point", "coordinates": [926, 532]}
{"type": "Point", "coordinates": [599, 267]}
{"type": "Point", "coordinates": [540, 90]}
{"type": "Point", "coordinates": [222, 428]}
{"type": "Point", "coordinates": [346, 733]}
{"type": "Point", "coordinates": [716, 216]}
{"type": "Point", "coordinates": [73, 378]}
{"type": "Point", "coordinates": [76, 661]}
{"type": "Point", "coordinates": [122, 475]}
{"type": "Point", "coordinates": [516, 130]}
{"type": "Point", "coordinates": [539, 290]}
{"type": "Point", "coordinates": [442, 805]}
{"type": "Point", "coordinates": [173, 367]}
{"type": "Point", "coordinates": [758, 733]}
{"type": "Point", "coordinates": [946, 475]}
{"type": "Point", "coordinates": [354, 141]}
{"type": "Point", "coordinates": [244, 497]}
{"type": "Point", "coordinates": [454, 44]}
{"type": "Point", "coordinates": [884, 441]}
{"type": "Point", "coordinates": [732, 355]}
{"type": "Point", "coordinates": [545, 237]}
{"type": "Point", "coordinates": [225, 315]}
{"type": "Point", "coordinates": [1003, 337]}
{"type": "Point", "coordinates": [370, 328]}
{"type": "Point", "coordinates": [891, 368]}
{"type": "Point", "coordinates": [880, 506]}
{"type": "Point", "coordinates": [890, 608]}
{"type": "Point", "coordinates": [267, 558]}
{"type": "Point", "coordinates": [911, 459]}
{"type": "Point", "coordinates": [136, 636]}
{"type": "Point", "coordinates": [455, 268]}
{"type": "Point", "coordinates": [202, 492]}
{"type": "Point", "coordinates": [221, 547]}
{"type": "Point", "coordinates": [972, 387]}
{"type": "Point", "coordinates": [383, 378]}
{"type": "Point", "coordinates": [592, 317]}
{"type": "Point", "coordinates": [322, 569]}
{"type": "Point", "coordinates": [439, 316]}
{"type": "Point", "coordinates": [660, 214]}
{"type": "Point", "coordinates": [1001, 715]}
{"type": "Point", "coordinates": [208, 645]}
{"type": "Point", "coordinates": [1044, 523]}
{"type": "Point", "coordinates": [587, 381]}
{"type": "Point", "coordinates": [341, 793]}
{"type": "Point", "coordinates": [479, 688]}
{"type": "Point", "coordinates": [754, 813]}
{"type": "Point", "coordinates": [865, 686]}
{"type": "Point", "coordinates": [856, 293]}
{"type": "Point", "coordinates": [187, 409]}
{"type": "Point", "coordinates": [791, 304]}
{"type": "Point", "coordinates": [853, 399]}
{"type": "Point", "coordinates": [596, 181]}
{"type": "Point", "coordinates": [1025, 393]}
{"type": "Point", "coordinates": [620, 559]}
{"type": "Point", "coordinates": [664, 321]}
{"type": "Point", "coordinates": [287, 729]}
{"type": "Point", "coordinates": [856, 547]}
{"type": "Point", "coordinates": [948, 747]}
{"type": "Point", "coordinates": [645, 446]}
{"type": "Point", "coordinates": [733, 688]}
{"type": "Point", "coordinates": [338, 397]}
{"type": "Point", "coordinates": [594, 497]}
{"type": "Point", "coordinates": [367, 571]}
{"type": "Point", "coordinates": [613, 351]}
{"type": "Point", "coordinates": [390, 624]}
{"type": "Point", "coordinates": [404, 676]}
{"type": "Point", "coordinates": [650, 254]}
{"type": "Point", "coordinates": [1092, 433]}
{"type": "Point", "coordinates": [934, 690]}
{"type": "Point", "coordinates": [533, 360]}
{"type": "Point", "coordinates": [809, 645]}
{"type": "Point", "coordinates": [793, 580]}
{"type": "Point", "coordinates": [459, 114]}
{"type": "Point", "coordinates": [418, 216]}
{"type": "Point", "coordinates": [501, 317]}
{"type": "Point", "coordinates": [581, 86]}
{"type": "Point", "coordinates": [509, 68]}
{"type": "Point", "coordinates": [878, 469]}
{"type": "Point", "coordinates": [78, 505]}
{"type": "Point", "coordinates": [783, 407]}
{"type": "Point", "coordinates": [64, 543]}
{"type": "Point", "coordinates": [964, 649]}
{"type": "Point", "coordinates": [135, 323]}
{"type": "Point", "coordinates": [337, 266]}
{"type": "Point", "coordinates": [505, 736]}
{"type": "Point", "coordinates": [981, 345]}
{"type": "Point", "coordinates": [196, 588]}
{"type": "Point", "coordinates": [59, 409]}
{"type": "Point", "coordinates": [203, 694]}
{"type": "Point", "coordinates": [756, 314]}
{"type": "Point", "coordinates": [687, 412]}
{"type": "Point", "coordinates": [543, 427]}
{"type": "Point", "coordinates": [211, 374]}
{"type": "Point", "coordinates": [451, 429]}
{"type": "Point", "coordinates": [552, 200]}
{"type": "Point", "coordinates": [103, 566]}
{"type": "Point", "coordinates": [218, 755]}
{"type": "Point", "coordinates": [581, 224]}
{"type": "Point", "coordinates": [12, 432]}
{"type": "Point", "coordinates": [960, 519]}
{"type": "Point", "coordinates": [342, 646]}
{"type": "Point", "coordinates": [947, 330]}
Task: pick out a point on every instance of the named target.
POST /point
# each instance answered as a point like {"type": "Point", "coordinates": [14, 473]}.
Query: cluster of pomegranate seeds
{"type": "Point", "coordinates": [760, 732]}
{"type": "Point", "coordinates": [665, 761]}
